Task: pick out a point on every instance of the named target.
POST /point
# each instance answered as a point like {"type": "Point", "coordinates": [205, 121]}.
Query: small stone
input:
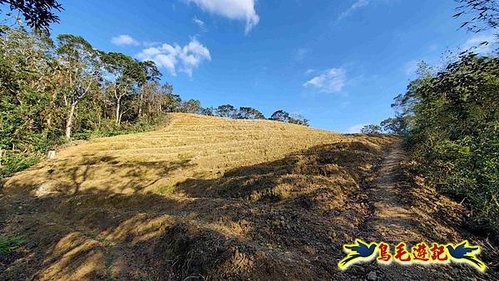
{"type": "Point", "coordinates": [44, 189]}
{"type": "Point", "coordinates": [51, 154]}
{"type": "Point", "coordinates": [372, 276]}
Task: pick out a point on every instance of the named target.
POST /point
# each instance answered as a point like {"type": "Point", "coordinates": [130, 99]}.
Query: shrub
{"type": "Point", "coordinates": [8, 244]}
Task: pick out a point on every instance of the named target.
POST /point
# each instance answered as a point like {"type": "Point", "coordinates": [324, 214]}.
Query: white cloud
{"type": "Point", "coordinates": [355, 128]}
{"type": "Point", "coordinates": [124, 39]}
{"type": "Point", "coordinates": [476, 43]}
{"type": "Point", "coordinates": [358, 4]}
{"type": "Point", "coordinates": [199, 23]}
{"type": "Point", "coordinates": [330, 81]}
{"type": "Point", "coordinates": [232, 9]}
{"type": "Point", "coordinates": [175, 57]}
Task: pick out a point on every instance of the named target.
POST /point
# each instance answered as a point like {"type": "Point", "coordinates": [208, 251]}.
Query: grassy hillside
{"type": "Point", "coordinates": [201, 197]}
{"type": "Point", "coordinates": [190, 146]}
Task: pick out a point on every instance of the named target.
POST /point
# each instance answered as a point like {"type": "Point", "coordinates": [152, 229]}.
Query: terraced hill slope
{"type": "Point", "coordinates": [201, 198]}
{"type": "Point", "coordinates": [190, 146]}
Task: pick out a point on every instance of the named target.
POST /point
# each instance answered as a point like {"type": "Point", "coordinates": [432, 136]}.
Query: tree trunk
{"type": "Point", "coordinates": [69, 122]}
{"type": "Point", "coordinates": [51, 109]}
{"type": "Point", "coordinates": [118, 115]}
{"type": "Point", "coordinates": [141, 100]}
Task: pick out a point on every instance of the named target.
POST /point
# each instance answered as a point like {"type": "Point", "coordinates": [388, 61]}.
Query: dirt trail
{"type": "Point", "coordinates": [393, 219]}
{"type": "Point", "coordinates": [282, 219]}
{"type": "Point", "coordinates": [401, 213]}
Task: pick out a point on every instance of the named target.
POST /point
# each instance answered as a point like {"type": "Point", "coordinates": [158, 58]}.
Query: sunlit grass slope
{"type": "Point", "coordinates": [190, 146]}
{"type": "Point", "coordinates": [202, 196]}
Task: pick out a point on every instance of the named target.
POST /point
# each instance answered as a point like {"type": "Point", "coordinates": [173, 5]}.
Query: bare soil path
{"type": "Point", "coordinates": [398, 213]}
{"type": "Point", "coordinates": [285, 218]}
{"type": "Point", "coordinates": [393, 219]}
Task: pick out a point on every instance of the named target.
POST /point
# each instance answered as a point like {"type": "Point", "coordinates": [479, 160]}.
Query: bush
{"type": "Point", "coordinates": [452, 126]}
{"type": "Point", "coordinates": [8, 244]}
{"type": "Point", "coordinates": [14, 162]}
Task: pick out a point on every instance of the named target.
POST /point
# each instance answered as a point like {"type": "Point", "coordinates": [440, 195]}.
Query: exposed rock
{"type": "Point", "coordinates": [372, 276]}
{"type": "Point", "coordinates": [44, 189]}
{"type": "Point", "coordinates": [51, 154]}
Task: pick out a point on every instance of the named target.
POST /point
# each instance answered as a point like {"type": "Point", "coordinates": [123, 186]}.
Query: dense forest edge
{"type": "Point", "coordinates": [56, 91]}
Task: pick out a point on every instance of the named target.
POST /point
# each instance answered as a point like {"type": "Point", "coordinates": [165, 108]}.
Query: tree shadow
{"type": "Point", "coordinates": [127, 177]}
{"type": "Point", "coordinates": [344, 164]}
{"type": "Point", "coordinates": [282, 219]}
{"type": "Point", "coordinates": [275, 219]}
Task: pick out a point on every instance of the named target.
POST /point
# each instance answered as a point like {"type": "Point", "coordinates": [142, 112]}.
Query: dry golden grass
{"type": "Point", "coordinates": [202, 197]}
{"type": "Point", "coordinates": [217, 199]}
{"type": "Point", "coordinates": [190, 146]}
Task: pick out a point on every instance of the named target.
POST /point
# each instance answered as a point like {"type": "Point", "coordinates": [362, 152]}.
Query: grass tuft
{"type": "Point", "coordinates": [8, 244]}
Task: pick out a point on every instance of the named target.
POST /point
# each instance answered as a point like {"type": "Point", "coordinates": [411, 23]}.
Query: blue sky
{"type": "Point", "coordinates": [338, 63]}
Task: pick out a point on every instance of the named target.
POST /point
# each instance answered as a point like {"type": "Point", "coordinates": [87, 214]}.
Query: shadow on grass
{"type": "Point", "coordinates": [285, 218]}
{"type": "Point", "coordinates": [131, 176]}
{"type": "Point", "coordinates": [344, 164]}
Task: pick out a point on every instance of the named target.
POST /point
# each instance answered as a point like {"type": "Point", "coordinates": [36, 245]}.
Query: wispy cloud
{"type": "Point", "coordinates": [330, 81]}
{"type": "Point", "coordinates": [174, 57]}
{"type": "Point", "coordinates": [232, 9]}
{"type": "Point", "coordinates": [123, 40]}
{"type": "Point", "coordinates": [481, 44]}
{"type": "Point", "coordinates": [199, 23]}
{"type": "Point", "coordinates": [358, 4]}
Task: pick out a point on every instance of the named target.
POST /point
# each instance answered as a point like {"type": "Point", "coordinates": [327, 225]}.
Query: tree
{"type": "Point", "coordinates": [479, 16]}
{"type": "Point", "coordinates": [173, 102]}
{"type": "Point", "coordinates": [208, 111]}
{"type": "Point", "coordinates": [394, 125]}
{"type": "Point", "coordinates": [280, 115]}
{"type": "Point", "coordinates": [371, 129]}
{"type": "Point", "coordinates": [38, 14]}
{"type": "Point", "coordinates": [482, 14]}
{"type": "Point", "coordinates": [152, 75]}
{"type": "Point", "coordinates": [80, 64]}
{"type": "Point", "coordinates": [191, 106]}
{"type": "Point", "coordinates": [298, 120]}
{"type": "Point", "coordinates": [453, 132]}
{"type": "Point", "coordinates": [126, 74]}
{"type": "Point", "coordinates": [283, 116]}
{"type": "Point", "coordinates": [26, 87]}
{"type": "Point", "coordinates": [226, 110]}
{"type": "Point", "coordinates": [249, 113]}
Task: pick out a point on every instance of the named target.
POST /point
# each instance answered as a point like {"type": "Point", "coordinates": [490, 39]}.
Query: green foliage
{"type": "Point", "coordinates": [14, 162]}
{"type": "Point", "coordinates": [249, 113]}
{"type": "Point", "coordinates": [371, 129]}
{"type": "Point", "coordinates": [38, 14]}
{"type": "Point", "coordinates": [452, 125]}
{"type": "Point", "coordinates": [226, 110]}
{"type": "Point", "coordinates": [283, 116]}
{"type": "Point", "coordinates": [109, 128]}
{"type": "Point", "coordinates": [394, 125]}
{"type": "Point", "coordinates": [51, 93]}
{"type": "Point", "coordinates": [191, 106]}
{"type": "Point", "coordinates": [8, 244]}
{"type": "Point", "coordinates": [280, 115]}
